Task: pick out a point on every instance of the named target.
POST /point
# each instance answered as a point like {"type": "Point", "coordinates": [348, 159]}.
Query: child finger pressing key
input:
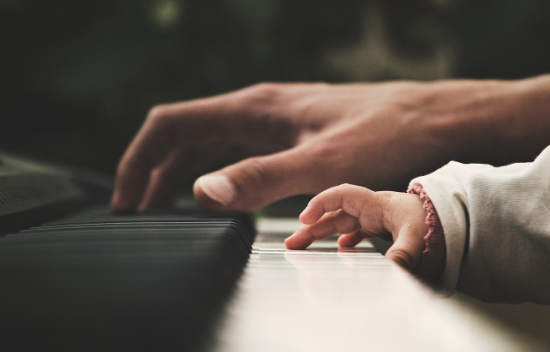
{"type": "Point", "coordinates": [360, 213]}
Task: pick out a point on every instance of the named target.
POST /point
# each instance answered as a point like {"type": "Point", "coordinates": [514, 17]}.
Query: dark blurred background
{"type": "Point", "coordinates": [78, 77]}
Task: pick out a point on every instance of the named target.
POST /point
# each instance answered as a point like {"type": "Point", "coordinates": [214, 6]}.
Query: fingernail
{"type": "Point", "coordinates": [218, 188]}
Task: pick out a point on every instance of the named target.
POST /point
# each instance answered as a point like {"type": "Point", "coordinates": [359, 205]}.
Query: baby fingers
{"type": "Point", "coordinates": [350, 240]}
{"type": "Point", "coordinates": [353, 200]}
{"type": "Point", "coordinates": [329, 224]}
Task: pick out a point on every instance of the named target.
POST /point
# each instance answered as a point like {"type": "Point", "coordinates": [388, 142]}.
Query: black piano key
{"type": "Point", "coordinates": [100, 282]}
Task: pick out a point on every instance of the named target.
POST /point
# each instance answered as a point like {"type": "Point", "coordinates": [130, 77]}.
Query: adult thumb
{"type": "Point", "coordinates": [255, 182]}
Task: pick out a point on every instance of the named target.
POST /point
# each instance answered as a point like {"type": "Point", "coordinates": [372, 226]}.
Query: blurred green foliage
{"type": "Point", "coordinates": [78, 77]}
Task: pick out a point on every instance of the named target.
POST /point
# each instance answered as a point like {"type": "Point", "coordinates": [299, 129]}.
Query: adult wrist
{"type": "Point", "coordinates": [529, 130]}
{"type": "Point", "coordinates": [490, 121]}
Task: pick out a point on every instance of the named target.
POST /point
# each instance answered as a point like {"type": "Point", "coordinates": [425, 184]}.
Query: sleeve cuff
{"type": "Point", "coordinates": [433, 257]}
{"type": "Point", "coordinates": [448, 196]}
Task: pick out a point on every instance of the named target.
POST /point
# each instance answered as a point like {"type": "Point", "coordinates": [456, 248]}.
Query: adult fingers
{"type": "Point", "coordinates": [148, 149]}
{"type": "Point", "coordinates": [165, 181]}
{"type": "Point", "coordinates": [249, 121]}
{"type": "Point", "coordinates": [330, 224]}
{"type": "Point", "coordinates": [255, 182]}
{"type": "Point", "coordinates": [184, 126]}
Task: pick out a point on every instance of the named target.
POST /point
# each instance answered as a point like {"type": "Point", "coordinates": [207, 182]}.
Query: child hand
{"type": "Point", "coordinates": [360, 213]}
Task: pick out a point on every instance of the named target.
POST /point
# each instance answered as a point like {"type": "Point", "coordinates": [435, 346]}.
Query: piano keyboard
{"type": "Point", "coordinates": [94, 282]}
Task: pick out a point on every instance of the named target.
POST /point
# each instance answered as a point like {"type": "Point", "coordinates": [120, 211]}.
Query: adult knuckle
{"type": "Point", "coordinates": [265, 90]}
{"type": "Point", "coordinates": [160, 125]}
{"type": "Point", "coordinates": [261, 105]}
{"type": "Point", "coordinates": [158, 114]}
{"type": "Point", "coordinates": [156, 111]}
{"type": "Point", "coordinates": [264, 94]}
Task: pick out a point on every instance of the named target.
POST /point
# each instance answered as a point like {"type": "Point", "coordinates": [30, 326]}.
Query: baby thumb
{"type": "Point", "coordinates": [407, 249]}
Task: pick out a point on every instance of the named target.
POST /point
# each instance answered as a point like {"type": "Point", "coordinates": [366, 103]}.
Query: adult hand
{"type": "Point", "coordinates": [304, 138]}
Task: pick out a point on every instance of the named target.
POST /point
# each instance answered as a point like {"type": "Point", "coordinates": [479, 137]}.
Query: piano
{"type": "Point", "coordinates": [75, 277]}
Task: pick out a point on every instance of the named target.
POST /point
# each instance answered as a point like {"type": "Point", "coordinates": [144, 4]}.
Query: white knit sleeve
{"type": "Point", "coordinates": [496, 222]}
